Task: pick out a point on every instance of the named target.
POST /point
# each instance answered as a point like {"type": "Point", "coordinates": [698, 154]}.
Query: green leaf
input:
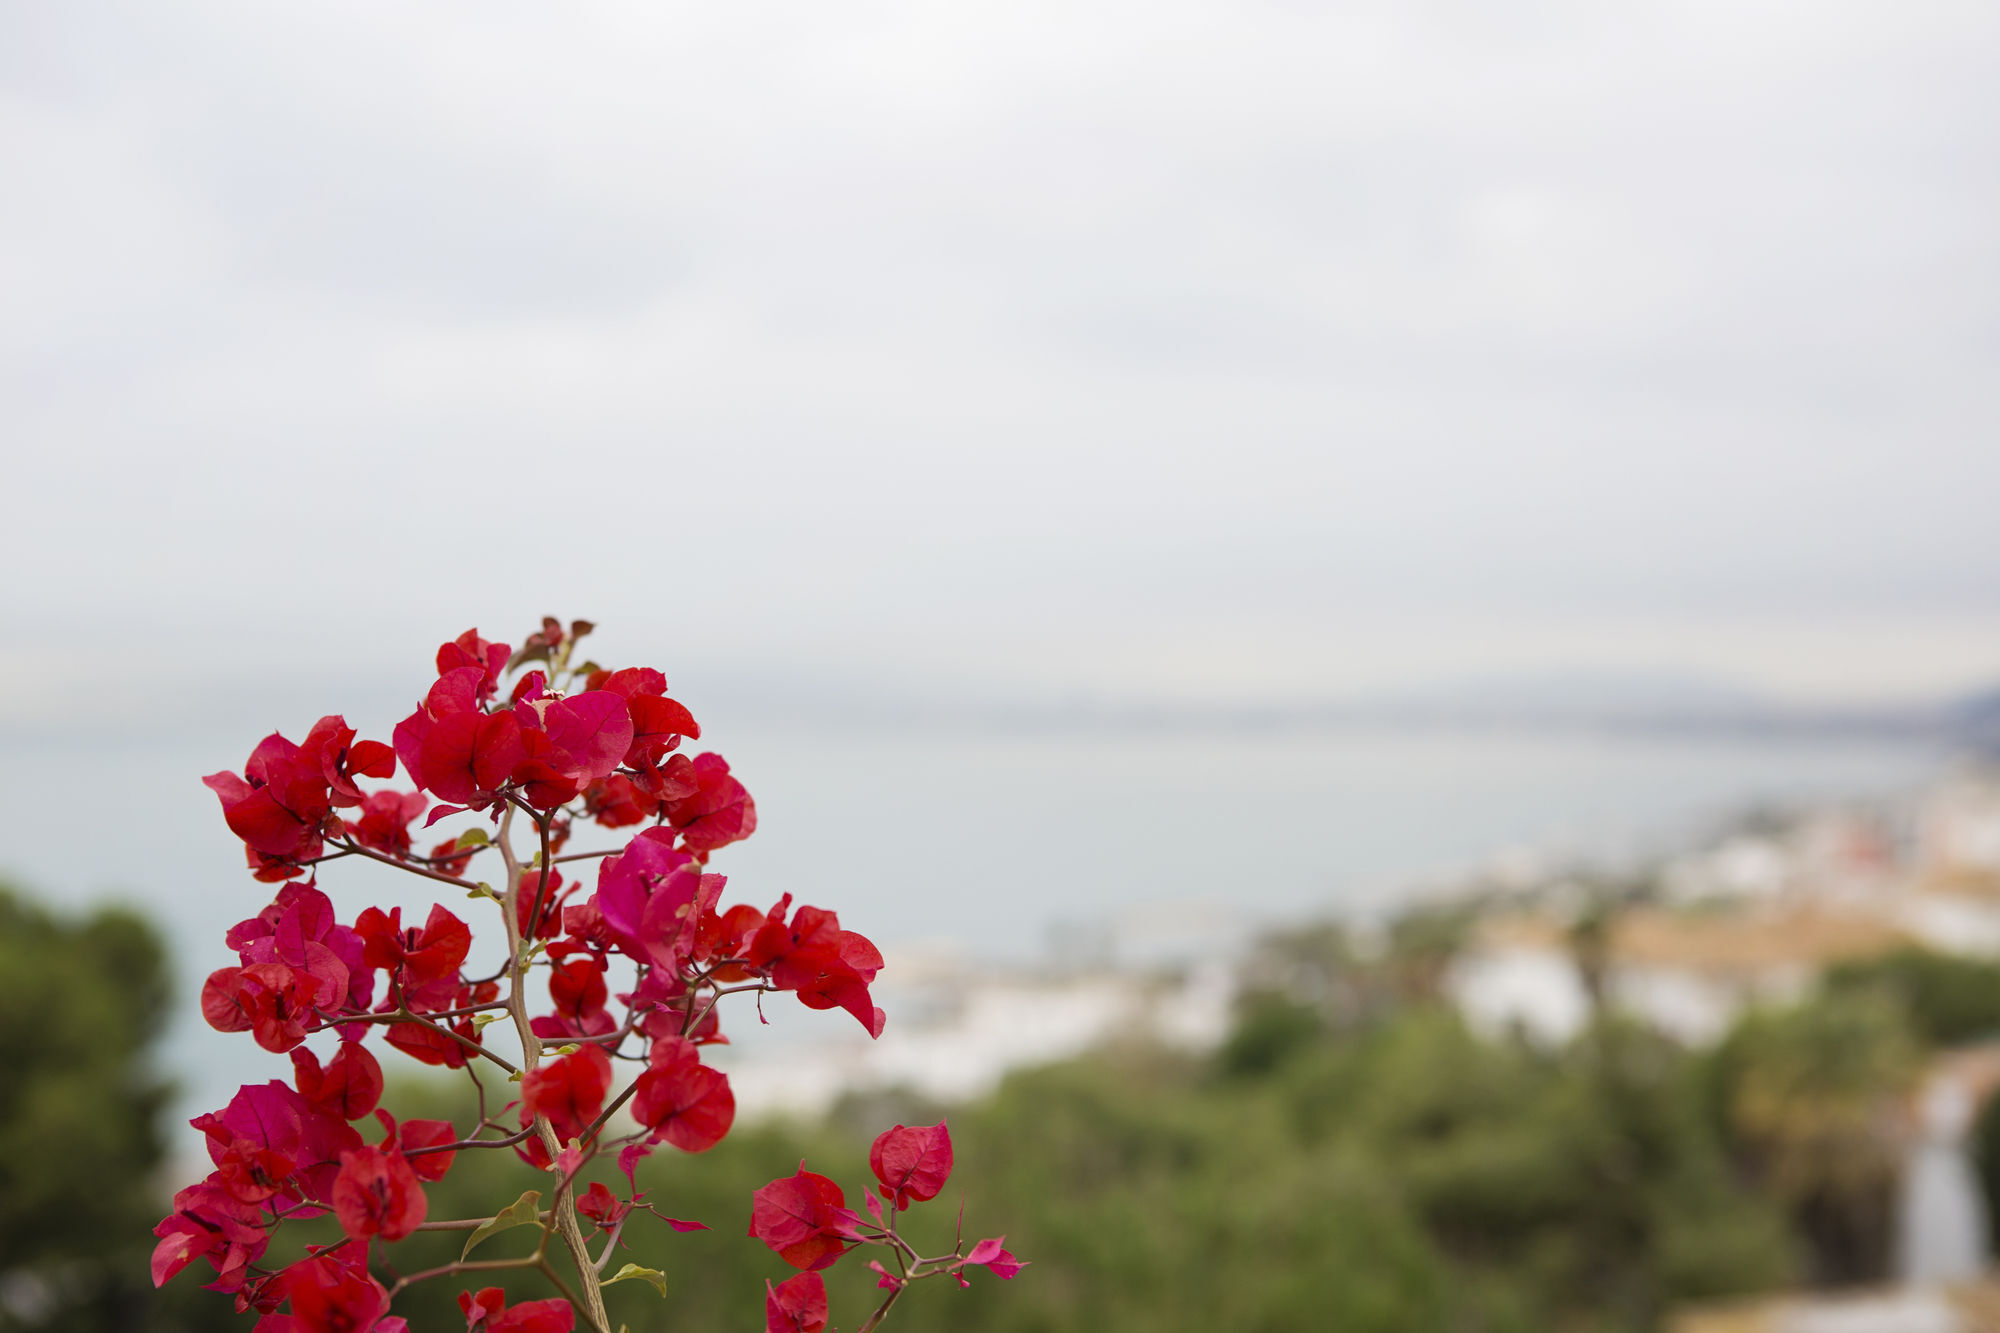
{"type": "Point", "coordinates": [652, 1275]}
{"type": "Point", "coordinates": [473, 837]}
{"type": "Point", "coordinates": [523, 1212]}
{"type": "Point", "coordinates": [482, 891]}
{"type": "Point", "coordinates": [479, 1021]}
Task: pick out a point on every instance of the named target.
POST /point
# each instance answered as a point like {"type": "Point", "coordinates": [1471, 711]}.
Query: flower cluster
{"type": "Point", "coordinates": [805, 1220]}
{"type": "Point", "coordinates": [632, 966]}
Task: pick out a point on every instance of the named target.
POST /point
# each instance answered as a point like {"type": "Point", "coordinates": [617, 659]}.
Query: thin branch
{"type": "Point", "coordinates": [468, 1223]}
{"type": "Point", "coordinates": [882, 1310]}
{"type": "Point", "coordinates": [472, 1072]}
{"type": "Point", "coordinates": [403, 1015]}
{"type": "Point", "coordinates": [585, 856]}
{"type": "Point", "coordinates": [506, 1142]}
{"type": "Point", "coordinates": [319, 860]}
{"type": "Point", "coordinates": [609, 1111]}
{"type": "Point", "coordinates": [464, 1266]}
{"type": "Point", "coordinates": [438, 875]}
{"type": "Point", "coordinates": [467, 1042]}
{"type": "Point", "coordinates": [541, 880]}
{"type": "Point", "coordinates": [695, 1021]}
{"type": "Point", "coordinates": [612, 1243]}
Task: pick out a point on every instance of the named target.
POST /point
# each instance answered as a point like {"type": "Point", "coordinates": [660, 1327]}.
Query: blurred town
{"type": "Point", "coordinates": [1751, 1085]}
{"type": "Point", "coordinates": [1755, 920]}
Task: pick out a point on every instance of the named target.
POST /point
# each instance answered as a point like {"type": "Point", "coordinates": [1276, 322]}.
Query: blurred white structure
{"type": "Point", "coordinates": [1687, 974]}
{"type": "Point", "coordinates": [955, 1031]}
{"type": "Point", "coordinates": [1754, 918]}
{"type": "Point", "coordinates": [1942, 1228]}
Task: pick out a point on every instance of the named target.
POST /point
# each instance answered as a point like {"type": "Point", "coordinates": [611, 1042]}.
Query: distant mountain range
{"type": "Point", "coordinates": [1620, 704]}
{"type": "Point", "coordinates": [1975, 721]}
{"type": "Point", "coordinates": [1578, 702]}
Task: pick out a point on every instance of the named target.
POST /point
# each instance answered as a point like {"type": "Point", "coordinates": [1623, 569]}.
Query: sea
{"type": "Point", "coordinates": [1010, 847]}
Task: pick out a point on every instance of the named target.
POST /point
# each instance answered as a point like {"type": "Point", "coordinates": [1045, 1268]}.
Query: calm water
{"type": "Point", "coordinates": [1006, 845]}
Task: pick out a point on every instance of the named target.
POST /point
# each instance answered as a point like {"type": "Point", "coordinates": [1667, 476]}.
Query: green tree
{"type": "Point", "coordinates": [1948, 999]}
{"type": "Point", "coordinates": [1806, 1096]}
{"type": "Point", "coordinates": [81, 1002]}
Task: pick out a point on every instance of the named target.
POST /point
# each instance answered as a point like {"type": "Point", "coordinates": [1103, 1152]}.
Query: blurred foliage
{"type": "Point", "coordinates": [1947, 999]}
{"type": "Point", "coordinates": [1809, 1097]}
{"type": "Point", "coordinates": [1352, 1157]}
{"type": "Point", "coordinates": [81, 1002]}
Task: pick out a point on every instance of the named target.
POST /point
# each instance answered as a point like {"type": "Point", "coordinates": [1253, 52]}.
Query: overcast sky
{"type": "Point", "coordinates": [1163, 349]}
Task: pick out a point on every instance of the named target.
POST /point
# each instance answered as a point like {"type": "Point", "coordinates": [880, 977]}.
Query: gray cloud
{"type": "Point", "coordinates": [1183, 346]}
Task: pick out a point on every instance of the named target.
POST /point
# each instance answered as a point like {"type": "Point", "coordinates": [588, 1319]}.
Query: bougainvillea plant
{"type": "Point", "coordinates": [586, 1073]}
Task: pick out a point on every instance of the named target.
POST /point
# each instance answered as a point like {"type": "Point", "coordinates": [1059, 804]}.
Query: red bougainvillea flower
{"type": "Point", "coordinates": [618, 802]}
{"type": "Point", "coordinates": [796, 1305]}
{"type": "Point", "coordinates": [420, 1141]}
{"type": "Point", "coordinates": [341, 759]}
{"type": "Point", "coordinates": [572, 742]}
{"type": "Point", "coordinates": [601, 1206]}
{"type": "Point", "coordinates": [332, 1293]}
{"type": "Point", "coordinates": [913, 1164]}
{"type": "Point", "coordinates": [804, 1218]}
{"type": "Point", "coordinates": [488, 1312]}
{"type": "Point", "coordinates": [827, 966]}
{"type": "Point", "coordinates": [454, 749]}
{"type": "Point", "coordinates": [727, 935]}
{"type": "Point", "coordinates": [651, 898]}
{"type": "Point", "coordinates": [481, 1307]}
{"type": "Point", "coordinates": [271, 869]}
{"type": "Point", "coordinates": [551, 898]}
{"type": "Point", "coordinates": [209, 1223]}
{"type": "Point", "coordinates": [427, 1045]}
{"type": "Point", "coordinates": [279, 803]}
{"type": "Point", "coordinates": [989, 1255]}
{"type": "Point", "coordinates": [273, 1116]}
{"type": "Point", "coordinates": [424, 963]}
{"type": "Point", "coordinates": [434, 1044]}
{"type": "Point", "coordinates": [349, 1086]}
{"type": "Point", "coordinates": [469, 650]}
{"type": "Point", "coordinates": [683, 1101]}
{"type": "Point", "coordinates": [662, 998]}
{"type": "Point", "coordinates": [569, 1090]}
{"type": "Point", "coordinates": [548, 746]}
{"type": "Point", "coordinates": [448, 858]}
{"type": "Point", "coordinates": [385, 821]}
{"type": "Point", "coordinates": [658, 723]}
{"type": "Point", "coordinates": [270, 1001]}
{"type": "Point", "coordinates": [299, 930]}
{"type": "Point", "coordinates": [251, 1172]}
{"type": "Point", "coordinates": [578, 990]}
{"type": "Point", "coordinates": [717, 813]}
{"type": "Point", "coordinates": [377, 1194]}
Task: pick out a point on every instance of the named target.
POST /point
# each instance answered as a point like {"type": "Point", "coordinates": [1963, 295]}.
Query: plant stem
{"type": "Point", "coordinates": [549, 1272]}
{"type": "Point", "coordinates": [882, 1310]}
{"type": "Point", "coordinates": [531, 1055]}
